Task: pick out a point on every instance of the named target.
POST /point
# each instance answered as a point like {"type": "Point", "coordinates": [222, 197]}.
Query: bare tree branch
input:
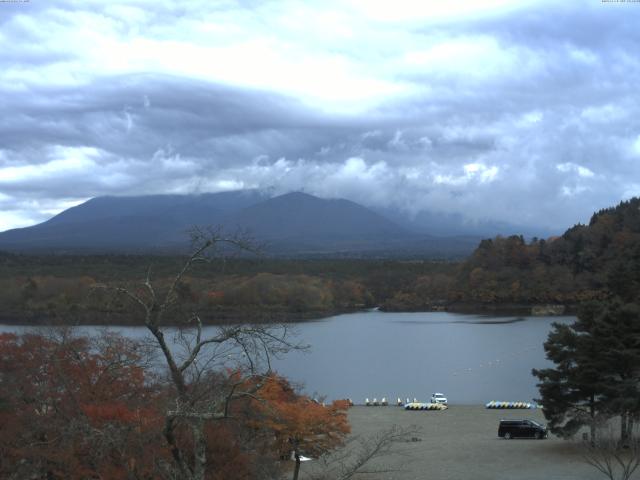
{"type": "Point", "coordinates": [200, 395]}
{"type": "Point", "coordinates": [359, 453]}
{"type": "Point", "coordinates": [607, 455]}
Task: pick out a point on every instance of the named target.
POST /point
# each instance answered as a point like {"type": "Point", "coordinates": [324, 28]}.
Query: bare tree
{"type": "Point", "coordinates": [616, 460]}
{"type": "Point", "coordinates": [195, 356]}
{"type": "Point", "coordinates": [361, 453]}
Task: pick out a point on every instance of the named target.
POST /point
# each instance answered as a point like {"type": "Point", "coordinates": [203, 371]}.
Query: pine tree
{"type": "Point", "coordinates": [617, 330]}
{"type": "Point", "coordinates": [572, 392]}
{"type": "Point", "coordinates": [597, 372]}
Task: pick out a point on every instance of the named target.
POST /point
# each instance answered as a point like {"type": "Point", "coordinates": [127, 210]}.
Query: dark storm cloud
{"type": "Point", "coordinates": [149, 128]}
{"type": "Point", "coordinates": [578, 82]}
{"type": "Point", "coordinates": [134, 116]}
{"type": "Point", "coordinates": [528, 116]}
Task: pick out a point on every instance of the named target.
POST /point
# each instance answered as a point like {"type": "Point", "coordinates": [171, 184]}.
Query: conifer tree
{"type": "Point", "coordinates": [572, 392]}
{"type": "Point", "coordinates": [597, 372]}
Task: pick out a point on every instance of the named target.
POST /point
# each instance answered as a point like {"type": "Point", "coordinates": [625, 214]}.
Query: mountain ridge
{"type": "Point", "coordinates": [294, 223]}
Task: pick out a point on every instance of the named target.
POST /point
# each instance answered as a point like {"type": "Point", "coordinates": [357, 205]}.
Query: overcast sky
{"type": "Point", "coordinates": [519, 111]}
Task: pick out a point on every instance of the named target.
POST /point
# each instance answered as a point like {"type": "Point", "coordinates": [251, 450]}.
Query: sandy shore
{"type": "Point", "coordinates": [462, 443]}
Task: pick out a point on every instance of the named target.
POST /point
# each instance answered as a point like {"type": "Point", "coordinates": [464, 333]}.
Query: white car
{"type": "Point", "coordinates": [438, 398]}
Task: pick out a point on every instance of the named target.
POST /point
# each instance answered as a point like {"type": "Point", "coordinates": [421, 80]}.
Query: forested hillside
{"type": "Point", "coordinates": [586, 262]}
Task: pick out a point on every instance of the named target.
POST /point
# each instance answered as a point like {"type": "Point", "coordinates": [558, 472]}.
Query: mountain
{"type": "Point", "coordinates": [454, 224]}
{"type": "Point", "coordinates": [299, 216]}
{"type": "Point", "coordinates": [295, 224]}
{"type": "Point", "coordinates": [128, 223]}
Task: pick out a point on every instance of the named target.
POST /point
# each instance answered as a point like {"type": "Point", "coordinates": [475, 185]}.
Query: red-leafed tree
{"type": "Point", "coordinates": [297, 423]}
{"type": "Point", "coordinates": [78, 408]}
{"type": "Point", "coordinates": [75, 408]}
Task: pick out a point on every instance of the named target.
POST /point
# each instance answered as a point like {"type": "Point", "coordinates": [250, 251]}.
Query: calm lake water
{"type": "Point", "coordinates": [470, 358]}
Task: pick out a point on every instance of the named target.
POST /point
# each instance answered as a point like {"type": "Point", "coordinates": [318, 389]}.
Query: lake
{"type": "Point", "coordinates": [470, 358]}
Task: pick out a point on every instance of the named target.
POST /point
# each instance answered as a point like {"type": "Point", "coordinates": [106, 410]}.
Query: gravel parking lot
{"type": "Point", "coordinates": [462, 443]}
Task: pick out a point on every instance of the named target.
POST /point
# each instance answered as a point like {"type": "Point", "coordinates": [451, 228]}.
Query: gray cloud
{"type": "Point", "coordinates": [525, 116]}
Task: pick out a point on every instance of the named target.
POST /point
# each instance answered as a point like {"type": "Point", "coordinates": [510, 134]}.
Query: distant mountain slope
{"type": "Point", "coordinates": [185, 208]}
{"type": "Point", "coordinates": [290, 224]}
{"type": "Point", "coordinates": [121, 223]}
{"type": "Point", "coordinates": [454, 224]}
{"type": "Point", "coordinates": [299, 215]}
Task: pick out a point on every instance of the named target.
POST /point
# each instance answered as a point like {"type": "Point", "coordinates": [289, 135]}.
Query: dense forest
{"type": "Point", "coordinates": [503, 273]}
{"type": "Point", "coordinates": [585, 263]}
{"type": "Point", "coordinates": [61, 288]}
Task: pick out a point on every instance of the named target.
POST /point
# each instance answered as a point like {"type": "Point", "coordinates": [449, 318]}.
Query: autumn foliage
{"type": "Point", "coordinates": [78, 408]}
{"type": "Point", "coordinates": [74, 408]}
{"type": "Point", "coordinates": [295, 419]}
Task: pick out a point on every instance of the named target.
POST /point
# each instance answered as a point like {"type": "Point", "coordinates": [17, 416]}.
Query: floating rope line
{"type": "Point", "coordinates": [504, 359]}
{"type": "Point", "coordinates": [425, 406]}
{"type": "Point", "coordinates": [501, 405]}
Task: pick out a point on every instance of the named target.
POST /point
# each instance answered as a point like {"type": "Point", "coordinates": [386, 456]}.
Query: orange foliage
{"type": "Point", "coordinates": [315, 428]}
{"type": "Point", "coordinates": [226, 456]}
{"type": "Point", "coordinates": [74, 409]}
{"type": "Point", "coordinates": [77, 408]}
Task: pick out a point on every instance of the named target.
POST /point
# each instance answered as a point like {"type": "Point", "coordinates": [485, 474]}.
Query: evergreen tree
{"type": "Point", "coordinates": [597, 372]}
{"type": "Point", "coordinates": [617, 330]}
{"type": "Point", "coordinates": [572, 392]}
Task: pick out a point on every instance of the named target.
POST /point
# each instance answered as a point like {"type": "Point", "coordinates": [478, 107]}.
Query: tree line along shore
{"type": "Point", "coordinates": [503, 275]}
{"type": "Point", "coordinates": [61, 289]}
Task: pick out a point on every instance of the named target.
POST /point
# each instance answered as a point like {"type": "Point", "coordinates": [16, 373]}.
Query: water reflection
{"type": "Point", "coordinates": [470, 358]}
{"type": "Point", "coordinates": [478, 321]}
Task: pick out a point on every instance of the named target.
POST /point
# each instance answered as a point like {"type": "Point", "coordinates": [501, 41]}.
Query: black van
{"type": "Point", "coordinates": [521, 429]}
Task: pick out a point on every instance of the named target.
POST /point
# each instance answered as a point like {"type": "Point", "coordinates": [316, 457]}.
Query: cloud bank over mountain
{"type": "Point", "coordinates": [524, 114]}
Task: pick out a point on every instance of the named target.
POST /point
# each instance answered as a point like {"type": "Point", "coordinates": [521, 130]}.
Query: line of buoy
{"type": "Point", "coordinates": [425, 406]}
{"type": "Point", "coordinates": [494, 362]}
{"type": "Point", "coordinates": [384, 402]}
{"type": "Point", "coordinates": [494, 404]}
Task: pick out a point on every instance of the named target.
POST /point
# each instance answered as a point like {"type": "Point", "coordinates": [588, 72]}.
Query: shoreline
{"type": "Point", "coordinates": [227, 317]}
{"type": "Point", "coordinates": [497, 309]}
{"type": "Point", "coordinates": [41, 319]}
